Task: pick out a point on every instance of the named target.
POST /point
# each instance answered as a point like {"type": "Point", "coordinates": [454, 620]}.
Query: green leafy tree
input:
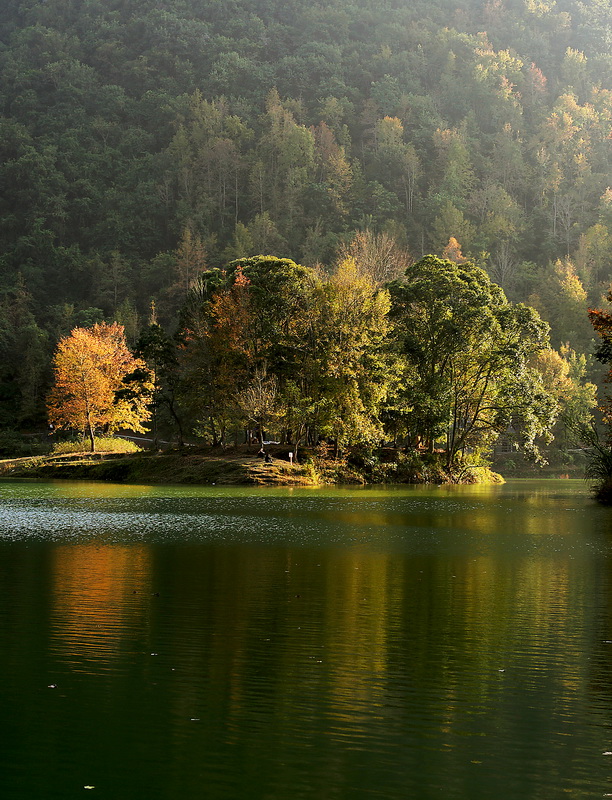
{"type": "Point", "coordinates": [24, 359]}
{"type": "Point", "coordinates": [563, 374]}
{"type": "Point", "coordinates": [467, 359]}
{"type": "Point", "coordinates": [258, 402]}
{"type": "Point", "coordinates": [353, 361]}
{"type": "Point", "coordinates": [599, 443]}
{"type": "Point", "coordinates": [159, 352]}
{"type": "Point", "coordinates": [561, 299]}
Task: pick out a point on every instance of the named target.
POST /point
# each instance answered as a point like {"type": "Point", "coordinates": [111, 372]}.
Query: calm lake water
{"type": "Point", "coordinates": [181, 643]}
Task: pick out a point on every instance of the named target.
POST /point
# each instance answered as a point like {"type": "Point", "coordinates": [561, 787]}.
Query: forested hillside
{"type": "Point", "coordinates": [143, 141]}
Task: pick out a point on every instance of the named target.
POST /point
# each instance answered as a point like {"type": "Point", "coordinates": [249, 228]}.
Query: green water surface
{"type": "Point", "coordinates": [178, 643]}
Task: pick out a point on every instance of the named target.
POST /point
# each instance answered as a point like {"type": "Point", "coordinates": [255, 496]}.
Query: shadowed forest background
{"type": "Point", "coordinates": [142, 143]}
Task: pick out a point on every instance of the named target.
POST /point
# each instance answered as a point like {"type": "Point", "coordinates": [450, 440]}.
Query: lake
{"type": "Point", "coordinates": [176, 643]}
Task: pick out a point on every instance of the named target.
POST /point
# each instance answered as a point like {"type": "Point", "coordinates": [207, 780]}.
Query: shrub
{"type": "Point", "coordinates": [109, 444]}
{"type": "Point", "coordinates": [17, 445]}
{"type": "Point", "coordinates": [311, 471]}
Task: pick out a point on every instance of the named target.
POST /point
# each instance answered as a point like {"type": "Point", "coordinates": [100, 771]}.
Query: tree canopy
{"type": "Point", "coordinates": [440, 356]}
{"type": "Point", "coordinates": [468, 354]}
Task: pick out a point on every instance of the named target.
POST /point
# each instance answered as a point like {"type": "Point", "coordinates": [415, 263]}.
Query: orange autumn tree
{"type": "Point", "coordinates": [217, 354]}
{"type": "Point", "coordinates": [602, 323]}
{"type": "Point", "coordinates": [90, 366]}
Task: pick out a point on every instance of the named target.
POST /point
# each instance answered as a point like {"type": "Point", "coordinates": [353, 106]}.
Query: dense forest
{"type": "Point", "coordinates": [145, 142]}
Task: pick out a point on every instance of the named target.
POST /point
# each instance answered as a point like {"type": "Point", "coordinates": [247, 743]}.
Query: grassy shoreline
{"type": "Point", "coordinates": [234, 466]}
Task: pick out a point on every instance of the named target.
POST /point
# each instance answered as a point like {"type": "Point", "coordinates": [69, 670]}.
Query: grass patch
{"type": "Point", "coordinates": [108, 444]}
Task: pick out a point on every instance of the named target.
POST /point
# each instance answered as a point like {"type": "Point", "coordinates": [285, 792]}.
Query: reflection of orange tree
{"type": "Point", "coordinates": [91, 587]}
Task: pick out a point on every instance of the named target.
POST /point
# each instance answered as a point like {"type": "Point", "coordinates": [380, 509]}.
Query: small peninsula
{"type": "Point", "coordinates": [241, 466]}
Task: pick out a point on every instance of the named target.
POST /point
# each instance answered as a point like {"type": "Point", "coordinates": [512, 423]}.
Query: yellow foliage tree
{"type": "Point", "coordinates": [90, 365]}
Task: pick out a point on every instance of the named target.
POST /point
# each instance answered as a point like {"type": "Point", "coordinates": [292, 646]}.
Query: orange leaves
{"type": "Point", "coordinates": [231, 314]}
{"type": "Point", "coordinates": [452, 252]}
{"type": "Point", "coordinates": [601, 321]}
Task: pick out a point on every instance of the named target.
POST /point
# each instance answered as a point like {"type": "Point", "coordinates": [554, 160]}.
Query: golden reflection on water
{"type": "Point", "coordinates": [519, 616]}
{"type": "Point", "coordinates": [459, 630]}
{"type": "Point", "coordinates": [279, 627]}
{"type": "Point", "coordinates": [466, 630]}
{"type": "Point", "coordinates": [361, 592]}
{"type": "Point", "coordinates": [98, 595]}
{"type": "Point", "coordinates": [93, 491]}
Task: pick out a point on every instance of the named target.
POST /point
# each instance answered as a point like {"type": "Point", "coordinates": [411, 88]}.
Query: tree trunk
{"type": "Point", "coordinates": [179, 425]}
{"type": "Point", "coordinates": [155, 444]}
{"type": "Point", "coordinates": [213, 431]}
